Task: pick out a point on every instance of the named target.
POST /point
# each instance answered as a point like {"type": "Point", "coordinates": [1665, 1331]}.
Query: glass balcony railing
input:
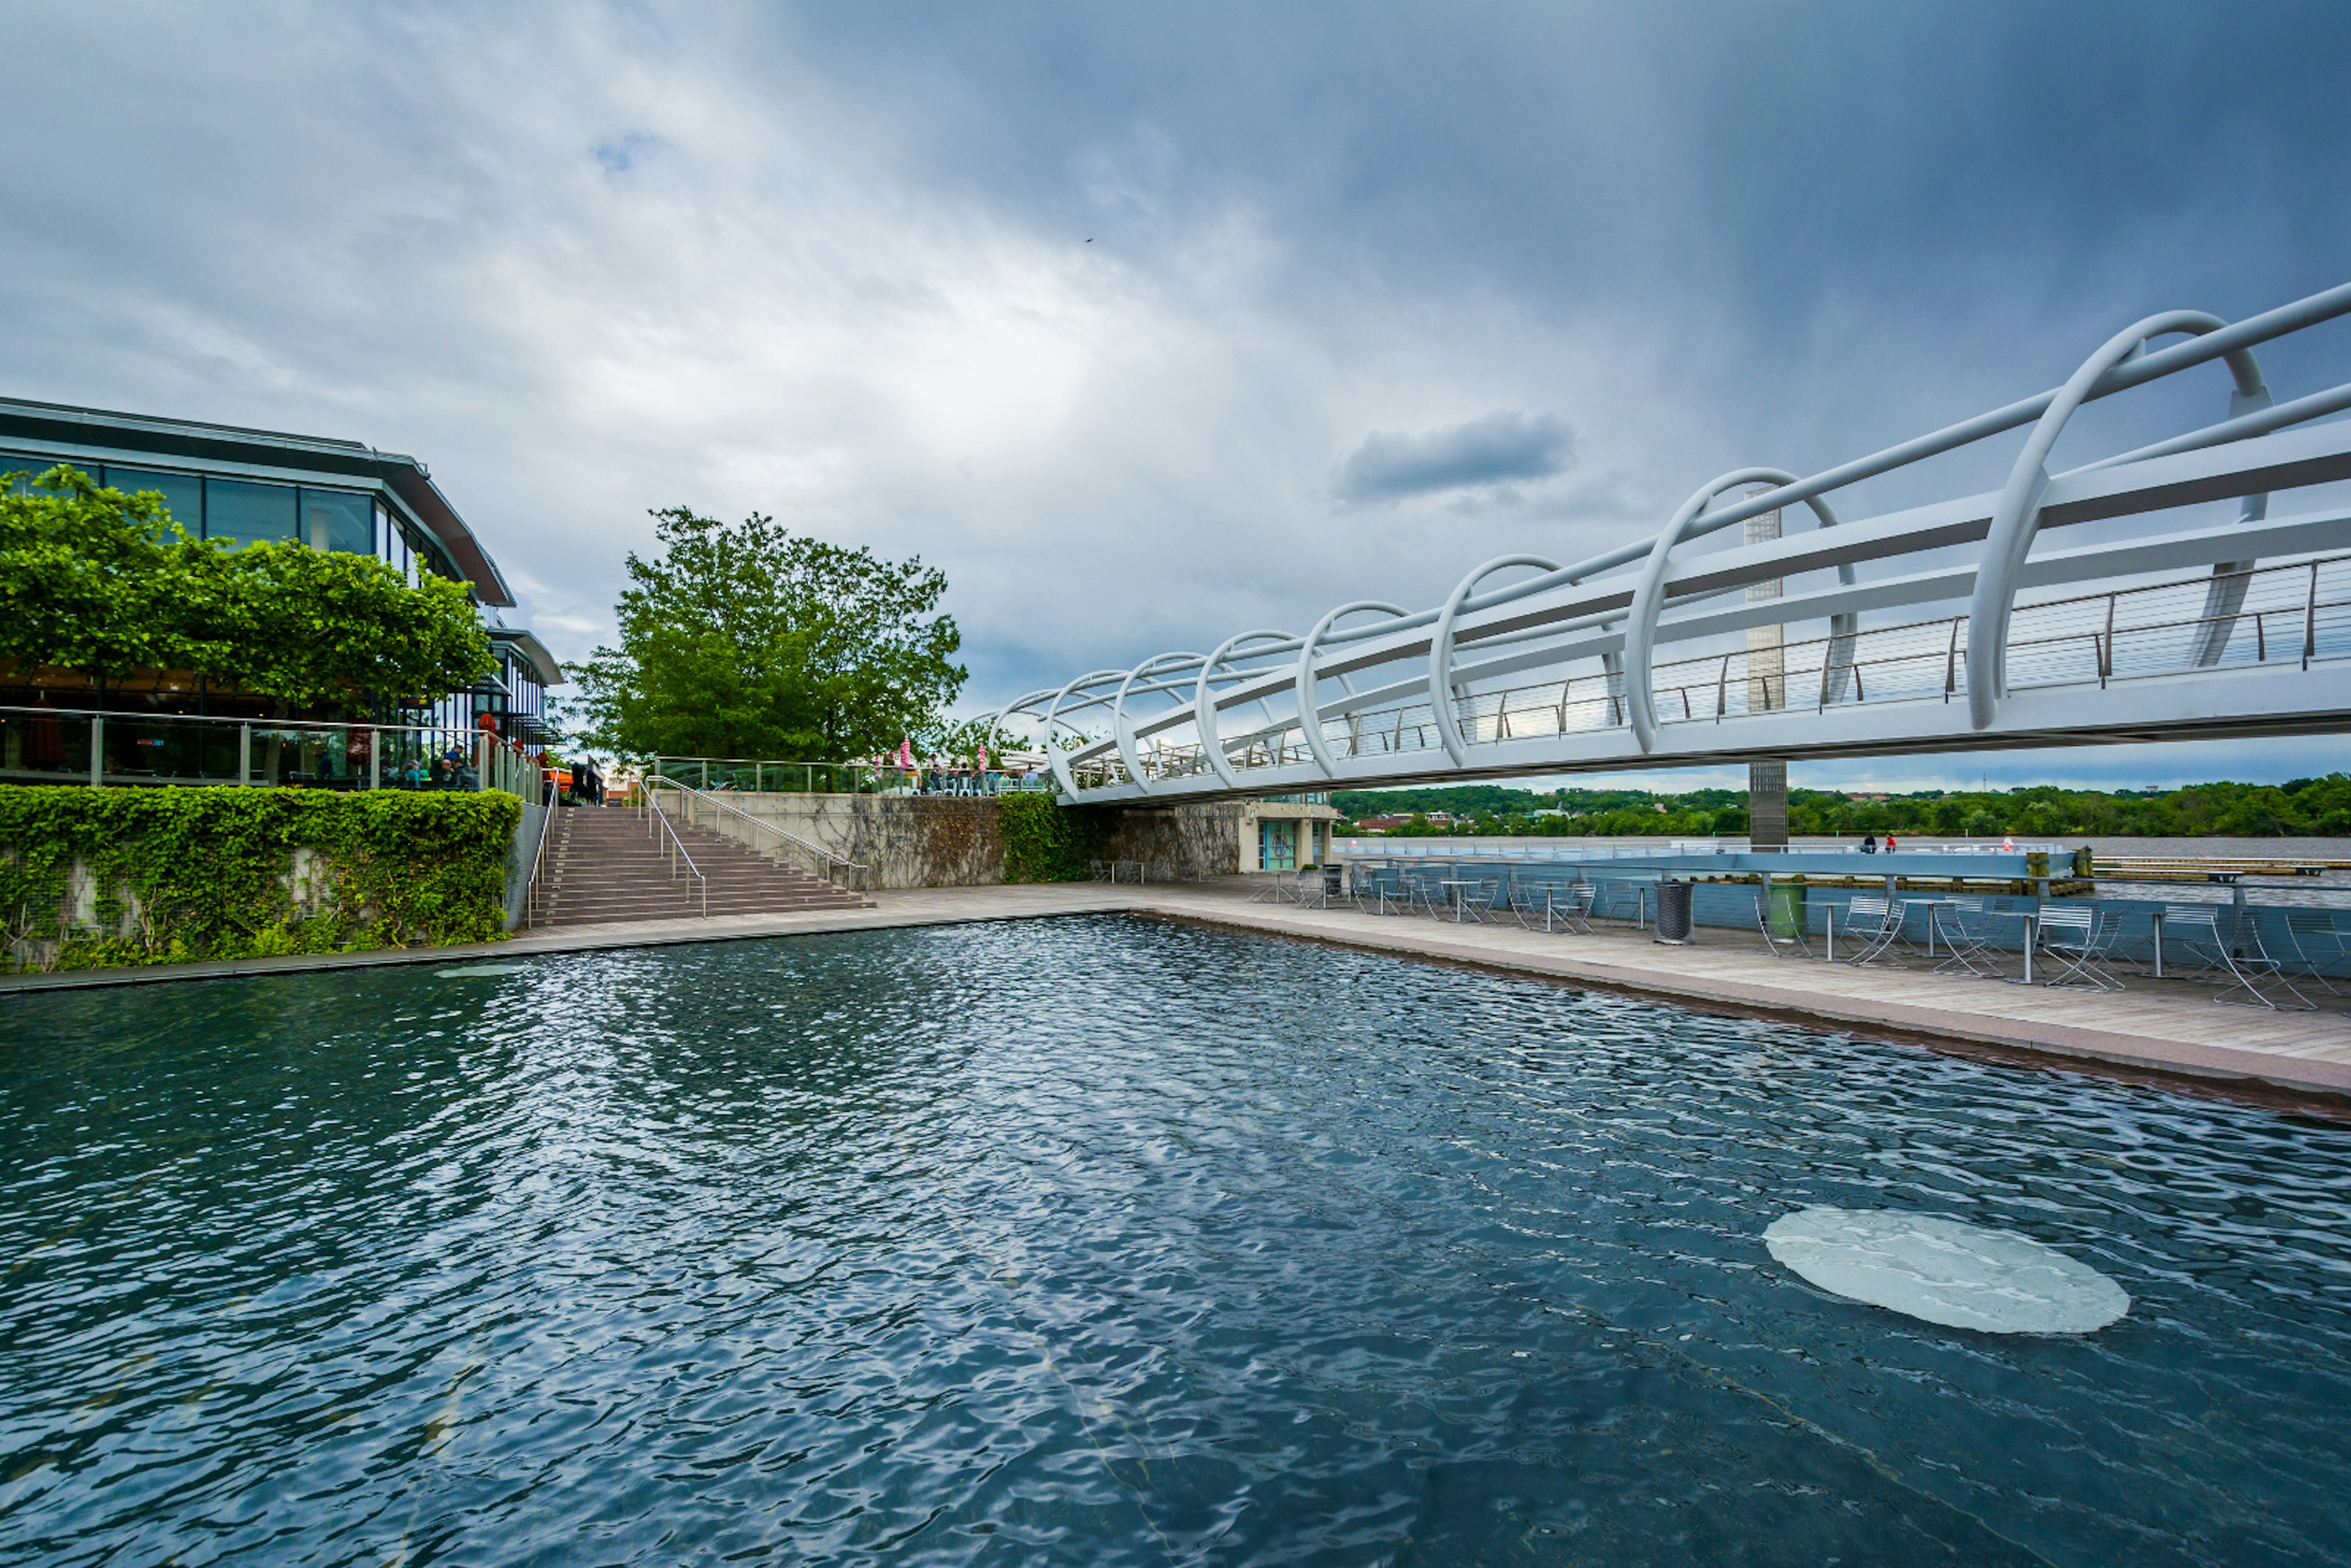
{"type": "Point", "coordinates": [57, 745]}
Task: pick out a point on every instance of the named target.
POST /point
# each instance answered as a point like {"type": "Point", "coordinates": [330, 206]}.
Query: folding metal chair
{"type": "Point", "coordinates": [1780, 942]}
{"type": "Point", "coordinates": [1425, 893]}
{"type": "Point", "coordinates": [1476, 904]}
{"type": "Point", "coordinates": [1530, 902]}
{"type": "Point", "coordinates": [2235, 953]}
{"type": "Point", "coordinates": [1381, 892]}
{"type": "Point", "coordinates": [2080, 940]}
{"type": "Point", "coordinates": [1611, 897]}
{"type": "Point", "coordinates": [2312, 937]}
{"type": "Point", "coordinates": [1966, 943]}
{"type": "Point", "coordinates": [1874, 925]}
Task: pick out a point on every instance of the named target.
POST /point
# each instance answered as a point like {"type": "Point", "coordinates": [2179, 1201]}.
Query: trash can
{"type": "Point", "coordinates": [1674, 911]}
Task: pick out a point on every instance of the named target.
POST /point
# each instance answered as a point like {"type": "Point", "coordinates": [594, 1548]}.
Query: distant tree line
{"type": "Point", "coordinates": [2303, 808]}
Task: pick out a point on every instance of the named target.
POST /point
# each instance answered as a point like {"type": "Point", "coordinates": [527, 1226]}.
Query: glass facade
{"type": "Point", "coordinates": [184, 494]}
{"type": "Point", "coordinates": [338, 520]}
{"type": "Point", "coordinates": [241, 510]}
{"type": "Point", "coordinates": [246, 513]}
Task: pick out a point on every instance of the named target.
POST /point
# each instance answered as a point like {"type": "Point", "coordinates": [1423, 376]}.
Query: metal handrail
{"type": "Point", "coordinates": [655, 814]}
{"type": "Point", "coordinates": [855, 870]}
{"type": "Point", "coordinates": [539, 856]}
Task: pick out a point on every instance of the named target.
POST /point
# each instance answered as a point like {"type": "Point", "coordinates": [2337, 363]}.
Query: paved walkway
{"type": "Point", "coordinates": [2169, 1027]}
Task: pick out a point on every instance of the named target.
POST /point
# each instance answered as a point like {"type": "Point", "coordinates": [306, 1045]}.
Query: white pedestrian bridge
{"type": "Point", "coordinates": [2199, 587]}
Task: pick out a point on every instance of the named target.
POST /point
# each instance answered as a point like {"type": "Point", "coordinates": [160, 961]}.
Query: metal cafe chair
{"type": "Point", "coordinates": [2314, 941]}
{"type": "Point", "coordinates": [1781, 943]}
{"type": "Point", "coordinates": [1568, 908]}
{"type": "Point", "coordinates": [1480, 902]}
{"type": "Point", "coordinates": [1967, 938]}
{"type": "Point", "coordinates": [1425, 893]}
{"type": "Point", "coordinates": [2081, 941]}
{"type": "Point", "coordinates": [1611, 897]}
{"type": "Point", "coordinates": [1378, 890]}
{"type": "Point", "coordinates": [1874, 925]}
{"type": "Point", "coordinates": [2235, 954]}
{"type": "Point", "coordinates": [1530, 902]}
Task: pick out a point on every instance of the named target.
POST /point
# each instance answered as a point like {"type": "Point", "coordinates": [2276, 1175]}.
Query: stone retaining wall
{"type": "Point", "coordinates": [944, 840]}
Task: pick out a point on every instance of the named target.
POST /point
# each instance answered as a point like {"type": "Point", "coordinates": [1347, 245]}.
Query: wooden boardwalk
{"type": "Point", "coordinates": [2167, 1027]}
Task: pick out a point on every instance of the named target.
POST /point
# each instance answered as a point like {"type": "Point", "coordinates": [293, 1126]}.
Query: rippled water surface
{"type": "Point", "coordinates": [1100, 1240]}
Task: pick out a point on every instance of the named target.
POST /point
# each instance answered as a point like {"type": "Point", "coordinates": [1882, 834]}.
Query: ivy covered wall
{"type": "Point", "coordinates": [1045, 840]}
{"type": "Point", "coordinates": [102, 878]}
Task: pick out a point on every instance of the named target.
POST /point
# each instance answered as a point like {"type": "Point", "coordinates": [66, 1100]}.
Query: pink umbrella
{"type": "Point", "coordinates": [905, 754]}
{"type": "Point", "coordinates": [983, 759]}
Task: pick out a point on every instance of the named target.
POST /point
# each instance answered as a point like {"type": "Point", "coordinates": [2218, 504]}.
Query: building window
{"type": "Point", "coordinates": [1277, 844]}
{"type": "Point", "coordinates": [184, 494]}
{"type": "Point", "coordinates": [338, 520]}
{"type": "Point", "coordinates": [246, 513]}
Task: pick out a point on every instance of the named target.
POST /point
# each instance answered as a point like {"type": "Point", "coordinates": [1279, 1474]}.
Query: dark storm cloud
{"type": "Point", "coordinates": [832, 262]}
{"type": "Point", "coordinates": [1500, 448]}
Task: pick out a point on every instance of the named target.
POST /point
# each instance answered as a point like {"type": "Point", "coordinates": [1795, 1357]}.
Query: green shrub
{"type": "Point", "coordinates": [1047, 842]}
{"type": "Point", "coordinates": [205, 873]}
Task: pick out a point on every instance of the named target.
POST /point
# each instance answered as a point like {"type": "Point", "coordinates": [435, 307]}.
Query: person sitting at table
{"type": "Point", "coordinates": [1869, 845]}
{"type": "Point", "coordinates": [1889, 844]}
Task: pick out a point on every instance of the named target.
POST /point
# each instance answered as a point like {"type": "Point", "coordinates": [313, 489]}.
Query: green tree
{"type": "Point", "coordinates": [86, 575]}
{"type": "Point", "coordinates": [307, 626]}
{"type": "Point", "coordinates": [95, 580]}
{"type": "Point", "coordinates": [748, 641]}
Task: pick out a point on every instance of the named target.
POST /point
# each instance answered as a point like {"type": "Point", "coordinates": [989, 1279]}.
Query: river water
{"type": "Point", "coordinates": [1100, 1240]}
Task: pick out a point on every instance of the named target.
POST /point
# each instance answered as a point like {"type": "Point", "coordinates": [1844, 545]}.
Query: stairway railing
{"type": "Point", "coordinates": [676, 850]}
{"type": "Point", "coordinates": [539, 857]}
{"type": "Point", "coordinates": [837, 869]}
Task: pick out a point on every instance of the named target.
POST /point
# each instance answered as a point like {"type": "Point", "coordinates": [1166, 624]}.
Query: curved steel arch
{"type": "Point", "coordinates": [2017, 516]}
{"type": "Point", "coordinates": [1649, 600]}
{"type": "Point", "coordinates": [1204, 704]}
{"type": "Point", "coordinates": [1123, 731]}
{"type": "Point", "coordinates": [1440, 651]}
{"type": "Point", "coordinates": [1057, 758]}
{"type": "Point", "coordinates": [1309, 716]}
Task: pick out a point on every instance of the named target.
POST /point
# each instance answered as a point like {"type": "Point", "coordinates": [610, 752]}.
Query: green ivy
{"type": "Point", "coordinates": [189, 873]}
{"type": "Point", "coordinates": [1047, 842]}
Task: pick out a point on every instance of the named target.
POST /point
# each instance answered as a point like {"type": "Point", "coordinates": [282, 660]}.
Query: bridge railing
{"type": "Point", "coordinates": [1637, 643]}
{"type": "Point", "coordinates": [2297, 614]}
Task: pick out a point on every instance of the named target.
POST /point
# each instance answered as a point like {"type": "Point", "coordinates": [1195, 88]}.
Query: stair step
{"type": "Point", "coordinates": [604, 867]}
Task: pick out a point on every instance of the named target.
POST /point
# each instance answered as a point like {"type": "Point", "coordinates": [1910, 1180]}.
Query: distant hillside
{"type": "Point", "coordinates": [2316, 808]}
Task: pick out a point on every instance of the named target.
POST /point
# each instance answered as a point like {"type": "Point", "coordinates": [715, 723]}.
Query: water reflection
{"type": "Point", "coordinates": [1098, 1240]}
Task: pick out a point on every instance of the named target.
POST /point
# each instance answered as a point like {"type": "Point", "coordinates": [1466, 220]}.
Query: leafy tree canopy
{"type": "Point", "coordinates": [97, 580]}
{"type": "Point", "coordinates": [748, 641]}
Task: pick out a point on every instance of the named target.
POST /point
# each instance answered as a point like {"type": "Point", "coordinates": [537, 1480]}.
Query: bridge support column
{"type": "Point", "coordinates": [1767, 804]}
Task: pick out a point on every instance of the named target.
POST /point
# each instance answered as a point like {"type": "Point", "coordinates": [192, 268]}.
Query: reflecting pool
{"type": "Point", "coordinates": [1103, 1241]}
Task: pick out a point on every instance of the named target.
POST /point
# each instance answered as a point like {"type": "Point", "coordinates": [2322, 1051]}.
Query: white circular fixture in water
{"type": "Point", "coordinates": [1961, 1276]}
{"type": "Point", "coordinates": [470, 970]}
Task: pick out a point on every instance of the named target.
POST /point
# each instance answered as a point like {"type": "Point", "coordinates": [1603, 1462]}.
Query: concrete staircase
{"type": "Point", "coordinates": [601, 866]}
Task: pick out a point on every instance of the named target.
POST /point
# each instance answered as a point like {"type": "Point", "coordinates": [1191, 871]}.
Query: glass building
{"type": "Point", "coordinates": [224, 482]}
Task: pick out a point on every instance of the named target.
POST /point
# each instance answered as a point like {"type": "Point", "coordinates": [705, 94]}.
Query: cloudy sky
{"type": "Point", "coordinates": [1150, 323]}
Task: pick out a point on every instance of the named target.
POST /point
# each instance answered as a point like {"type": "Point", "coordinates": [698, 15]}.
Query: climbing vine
{"type": "Point", "coordinates": [1047, 842]}
{"type": "Point", "coordinates": [102, 878]}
